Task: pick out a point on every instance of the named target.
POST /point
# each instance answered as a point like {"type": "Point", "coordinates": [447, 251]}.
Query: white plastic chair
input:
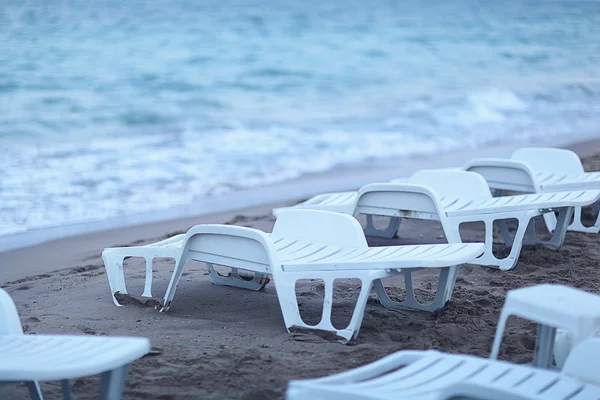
{"type": "Point", "coordinates": [541, 170]}
{"type": "Point", "coordinates": [454, 197]}
{"type": "Point", "coordinates": [430, 374]}
{"type": "Point", "coordinates": [33, 358]}
{"type": "Point", "coordinates": [309, 244]}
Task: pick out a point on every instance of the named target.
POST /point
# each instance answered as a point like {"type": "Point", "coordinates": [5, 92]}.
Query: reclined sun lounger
{"type": "Point", "coordinates": [33, 358]}
{"type": "Point", "coordinates": [455, 197]}
{"type": "Point", "coordinates": [431, 374]}
{"type": "Point", "coordinates": [322, 245]}
{"type": "Point", "coordinates": [540, 170]}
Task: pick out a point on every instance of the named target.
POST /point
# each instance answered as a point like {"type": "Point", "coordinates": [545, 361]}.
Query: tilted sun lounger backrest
{"type": "Point", "coordinates": [583, 362]}
{"type": "Point", "coordinates": [505, 174]}
{"type": "Point", "coordinates": [547, 159]}
{"type": "Point", "coordinates": [454, 184]}
{"type": "Point", "coordinates": [398, 200]}
{"type": "Point", "coordinates": [329, 228]}
{"type": "Point", "coordinates": [10, 324]}
{"type": "Point", "coordinates": [228, 245]}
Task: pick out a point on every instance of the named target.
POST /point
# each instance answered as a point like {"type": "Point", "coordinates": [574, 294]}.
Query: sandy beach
{"type": "Point", "coordinates": [219, 342]}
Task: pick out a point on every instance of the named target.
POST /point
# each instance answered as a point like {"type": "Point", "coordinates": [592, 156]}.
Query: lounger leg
{"type": "Point", "coordinates": [286, 293]}
{"type": "Point", "coordinates": [597, 223]}
{"type": "Point", "coordinates": [409, 302]}
{"type": "Point", "coordinates": [387, 233]}
{"type": "Point", "coordinates": [327, 305]}
{"type": "Point", "coordinates": [66, 392]}
{"type": "Point", "coordinates": [351, 331]}
{"type": "Point", "coordinates": [562, 225]}
{"type": "Point", "coordinates": [448, 283]}
{"type": "Point", "coordinates": [550, 220]}
{"type": "Point", "coordinates": [530, 238]}
{"type": "Point", "coordinates": [172, 288]}
{"type": "Point", "coordinates": [115, 275]}
{"type": "Point", "coordinates": [508, 239]}
{"type": "Point", "coordinates": [359, 310]}
{"type": "Point", "coordinates": [499, 333]}
{"type": "Point", "coordinates": [234, 279]}
{"type": "Point", "coordinates": [544, 348]}
{"type": "Point", "coordinates": [112, 383]}
{"type": "Point", "coordinates": [443, 293]}
{"type": "Point", "coordinates": [577, 225]}
{"type": "Point", "coordinates": [148, 282]}
{"type": "Point", "coordinates": [34, 390]}
{"type": "Point", "coordinates": [488, 258]}
{"type": "Point", "coordinates": [558, 234]}
{"type": "Point", "coordinates": [511, 260]}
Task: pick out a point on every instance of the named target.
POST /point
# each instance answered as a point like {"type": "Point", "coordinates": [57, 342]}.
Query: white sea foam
{"type": "Point", "coordinates": [110, 109]}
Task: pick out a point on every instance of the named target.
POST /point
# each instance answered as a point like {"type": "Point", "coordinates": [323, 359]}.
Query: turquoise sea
{"type": "Point", "coordinates": [109, 108]}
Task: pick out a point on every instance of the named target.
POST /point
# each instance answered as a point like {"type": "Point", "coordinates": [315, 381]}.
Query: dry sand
{"type": "Point", "coordinates": [220, 342]}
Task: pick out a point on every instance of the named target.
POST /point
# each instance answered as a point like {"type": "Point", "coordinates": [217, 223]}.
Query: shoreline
{"type": "Point", "coordinates": [341, 178]}
{"type": "Point", "coordinates": [24, 254]}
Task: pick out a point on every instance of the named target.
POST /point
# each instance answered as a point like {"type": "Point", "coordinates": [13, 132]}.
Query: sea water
{"type": "Point", "coordinates": [111, 107]}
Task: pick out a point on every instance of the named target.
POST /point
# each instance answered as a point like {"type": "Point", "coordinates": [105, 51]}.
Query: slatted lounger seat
{"type": "Point", "coordinates": [430, 374]}
{"type": "Point", "coordinates": [455, 197]}
{"type": "Point", "coordinates": [416, 375]}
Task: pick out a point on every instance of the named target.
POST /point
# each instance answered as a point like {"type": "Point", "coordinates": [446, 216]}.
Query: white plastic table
{"type": "Point", "coordinates": [551, 306]}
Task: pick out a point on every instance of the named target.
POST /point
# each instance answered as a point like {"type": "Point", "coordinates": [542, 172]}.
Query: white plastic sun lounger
{"type": "Point", "coordinates": [33, 358]}
{"type": "Point", "coordinates": [430, 374]}
{"type": "Point", "coordinates": [455, 197]}
{"type": "Point", "coordinates": [540, 170]}
{"type": "Point", "coordinates": [322, 245]}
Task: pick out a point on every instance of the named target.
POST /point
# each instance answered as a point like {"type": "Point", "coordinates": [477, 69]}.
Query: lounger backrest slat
{"type": "Point", "coordinates": [231, 246]}
{"type": "Point", "coordinates": [546, 159]}
{"type": "Point", "coordinates": [505, 174]}
{"type": "Point", "coordinates": [334, 229]}
{"type": "Point", "coordinates": [398, 200]}
{"type": "Point", "coordinates": [10, 324]}
{"type": "Point", "coordinates": [453, 184]}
